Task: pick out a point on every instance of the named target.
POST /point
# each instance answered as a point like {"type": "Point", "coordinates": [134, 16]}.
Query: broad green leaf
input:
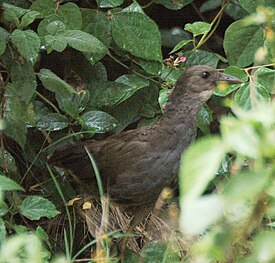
{"type": "Point", "coordinates": [129, 34]}
{"type": "Point", "coordinates": [195, 169]}
{"type": "Point", "coordinates": [198, 28]}
{"type": "Point", "coordinates": [240, 137]}
{"type": "Point", "coordinates": [44, 7]}
{"type": "Point", "coordinates": [244, 95]}
{"type": "Point", "coordinates": [204, 119]}
{"type": "Point", "coordinates": [266, 78]}
{"type": "Point", "coordinates": [24, 80]}
{"type": "Point", "coordinates": [53, 122]}
{"type": "Point", "coordinates": [27, 43]}
{"type": "Point", "coordinates": [235, 10]}
{"type": "Point", "coordinates": [245, 186]}
{"type": "Point", "coordinates": [28, 18]}
{"type": "Point", "coordinates": [85, 42]}
{"type": "Point", "coordinates": [201, 57]}
{"type": "Point", "coordinates": [209, 5]}
{"type": "Point", "coordinates": [56, 28]}
{"type": "Point", "coordinates": [35, 207]}
{"type": "Point", "coordinates": [199, 214]}
{"type": "Point", "coordinates": [7, 184]}
{"type": "Point", "coordinates": [152, 67]}
{"type": "Point", "coordinates": [180, 45]}
{"type": "Point", "coordinates": [70, 15]}
{"type": "Point", "coordinates": [109, 3]}
{"type": "Point", "coordinates": [108, 94]}
{"type": "Point", "coordinates": [97, 24]}
{"type": "Point", "coordinates": [53, 83]}
{"type": "Point", "coordinates": [133, 80]}
{"type": "Point", "coordinates": [42, 27]}
{"type": "Point", "coordinates": [15, 129]}
{"type": "Point", "coordinates": [42, 235]}
{"type": "Point", "coordinates": [264, 247]}
{"type": "Point", "coordinates": [241, 42]}
{"type": "Point", "coordinates": [73, 103]}
{"type": "Point", "coordinates": [236, 72]}
{"type": "Point", "coordinates": [12, 13]}
{"type": "Point", "coordinates": [251, 6]}
{"type": "Point", "coordinates": [134, 7]}
{"type": "Point", "coordinates": [4, 38]}
{"type": "Point", "coordinates": [57, 43]}
{"type": "Point", "coordinates": [174, 5]}
{"type": "Point", "coordinates": [98, 120]}
{"type": "Point", "coordinates": [158, 251]}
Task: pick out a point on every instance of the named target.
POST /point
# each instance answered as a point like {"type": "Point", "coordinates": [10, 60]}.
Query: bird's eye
{"type": "Point", "coordinates": [205, 74]}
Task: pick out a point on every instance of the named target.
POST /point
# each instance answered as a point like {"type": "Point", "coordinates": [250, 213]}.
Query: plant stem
{"type": "Point", "coordinates": [47, 101]}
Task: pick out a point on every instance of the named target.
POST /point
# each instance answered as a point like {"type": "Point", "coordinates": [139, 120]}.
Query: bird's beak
{"type": "Point", "coordinates": [228, 78]}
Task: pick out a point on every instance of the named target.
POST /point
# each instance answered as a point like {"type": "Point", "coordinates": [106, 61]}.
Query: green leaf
{"type": "Point", "coordinates": [28, 18]}
{"type": "Point", "coordinates": [201, 57]}
{"type": "Point", "coordinates": [129, 34]}
{"type": "Point", "coordinates": [180, 45]}
{"type": "Point", "coordinates": [70, 15]}
{"type": "Point", "coordinates": [251, 6]}
{"type": "Point", "coordinates": [53, 122]}
{"type": "Point", "coordinates": [244, 95]}
{"type": "Point", "coordinates": [108, 94]}
{"type": "Point", "coordinates": [12, 13]}
{"type": "Point", "coordinates": [4, 209]}
{"type": "Point", "coordinates": [97, 24]}
{"type": "Point", "coordinates": [4, 39]}
{"type": "Point", "coordinates": [24, 80]}
{"type": "Point", "coordinates": [236, 72]}
{"type": "Point", "coordinates": [44, 7]}
{"type": "Point", "coordinates": [56, 28]}
{"type": "Point", "coordinates": [241, 42]}
{"type": "Point", "coordinates": [98, 120]}
{"type": "Point", "coordinates": [152, 67]}
{"type": "Point", "coordinates": [200, 213]}
{"type": "Point", "coordinates": [42, 235]}
{"type": "Point", "coordinates": [35, 207]}
{"type": "Point", "coordinates": [174, 5]}
{"type": "Point", "coordinates": [109, 3]}
{"type": "Point", "coordinates": [195, 169]}
{"type": "Point", "coordinates": [264, 246]}
{"type": "Point", "coordinates": [204, 119]}
{"type": "Point", "coordinates": [27, 43]}
{"type": "Point", "coordinates": [240, 137]}
{"type": "Point", "coordinates": [57, 43]}
{"type": "Point", "coordinates": [73, 103]}
{"type": "Point", "coordinates": [134, 7]}
{"type": "Point", "coordinates": [53, 83]}
{"type": "Point", "coordinates": [163, 98]}
{"type": "Point", "coordinates": [85, 42]}
{"type": "Point", "coordinates": [266, 78]}
{"type": "Point", "coordinates": [198, 28]}
{"type": "Point", "coordinates": [245, 186]}
{"type": "Point", "coordinates": [7, 184]}
{"type": "Point", "coordinates": [133, 80]}
{"type": "Point", "coordinates": [15, 129]}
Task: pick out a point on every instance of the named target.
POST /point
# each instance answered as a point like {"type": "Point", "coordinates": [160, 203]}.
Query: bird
{"type": "Point", "coordinates": [136, 165]}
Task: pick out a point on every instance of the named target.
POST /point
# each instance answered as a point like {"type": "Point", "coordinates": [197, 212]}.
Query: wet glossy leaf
{"type": "Point", "coordinates": [129, 34]}
{"type": "Point", "coordinates": [134, 7]}
{"type": "Point", "coordinates": [27, 43]}
{"type": "Point", "coordinates": [7, 184]}
{"type": "Point", "coordinates": [53, 122]}
{"type": "Point", "coordinates": [198, 28]}
{"type": "Point", "coordinates": [241, 42]}
{"type": "Point", "coordinates": [98, 120]}
{"type": "Point", "coordinates": [35, 207]}
{"type": "Point", "coordinates": [195, 169]}
{"type": "Point", "coordinates": [244, 96]}
{"type": "Point", "coordinates": [53, 83]}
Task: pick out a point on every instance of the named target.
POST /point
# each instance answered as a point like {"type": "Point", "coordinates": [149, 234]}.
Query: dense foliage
{"type": "Point", "coordinates": [74, 69]}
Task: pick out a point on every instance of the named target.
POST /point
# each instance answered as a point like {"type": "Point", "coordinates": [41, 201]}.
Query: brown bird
{"type": "Point", "coordinates": [136, 165]}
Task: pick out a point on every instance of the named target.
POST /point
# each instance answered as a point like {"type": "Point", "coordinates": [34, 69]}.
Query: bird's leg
{"type": "Point", "coordinates": [139, 215]}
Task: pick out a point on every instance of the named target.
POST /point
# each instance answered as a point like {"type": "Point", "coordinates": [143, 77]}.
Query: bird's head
{"type": "Point", "coordinates": [199, 81]}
